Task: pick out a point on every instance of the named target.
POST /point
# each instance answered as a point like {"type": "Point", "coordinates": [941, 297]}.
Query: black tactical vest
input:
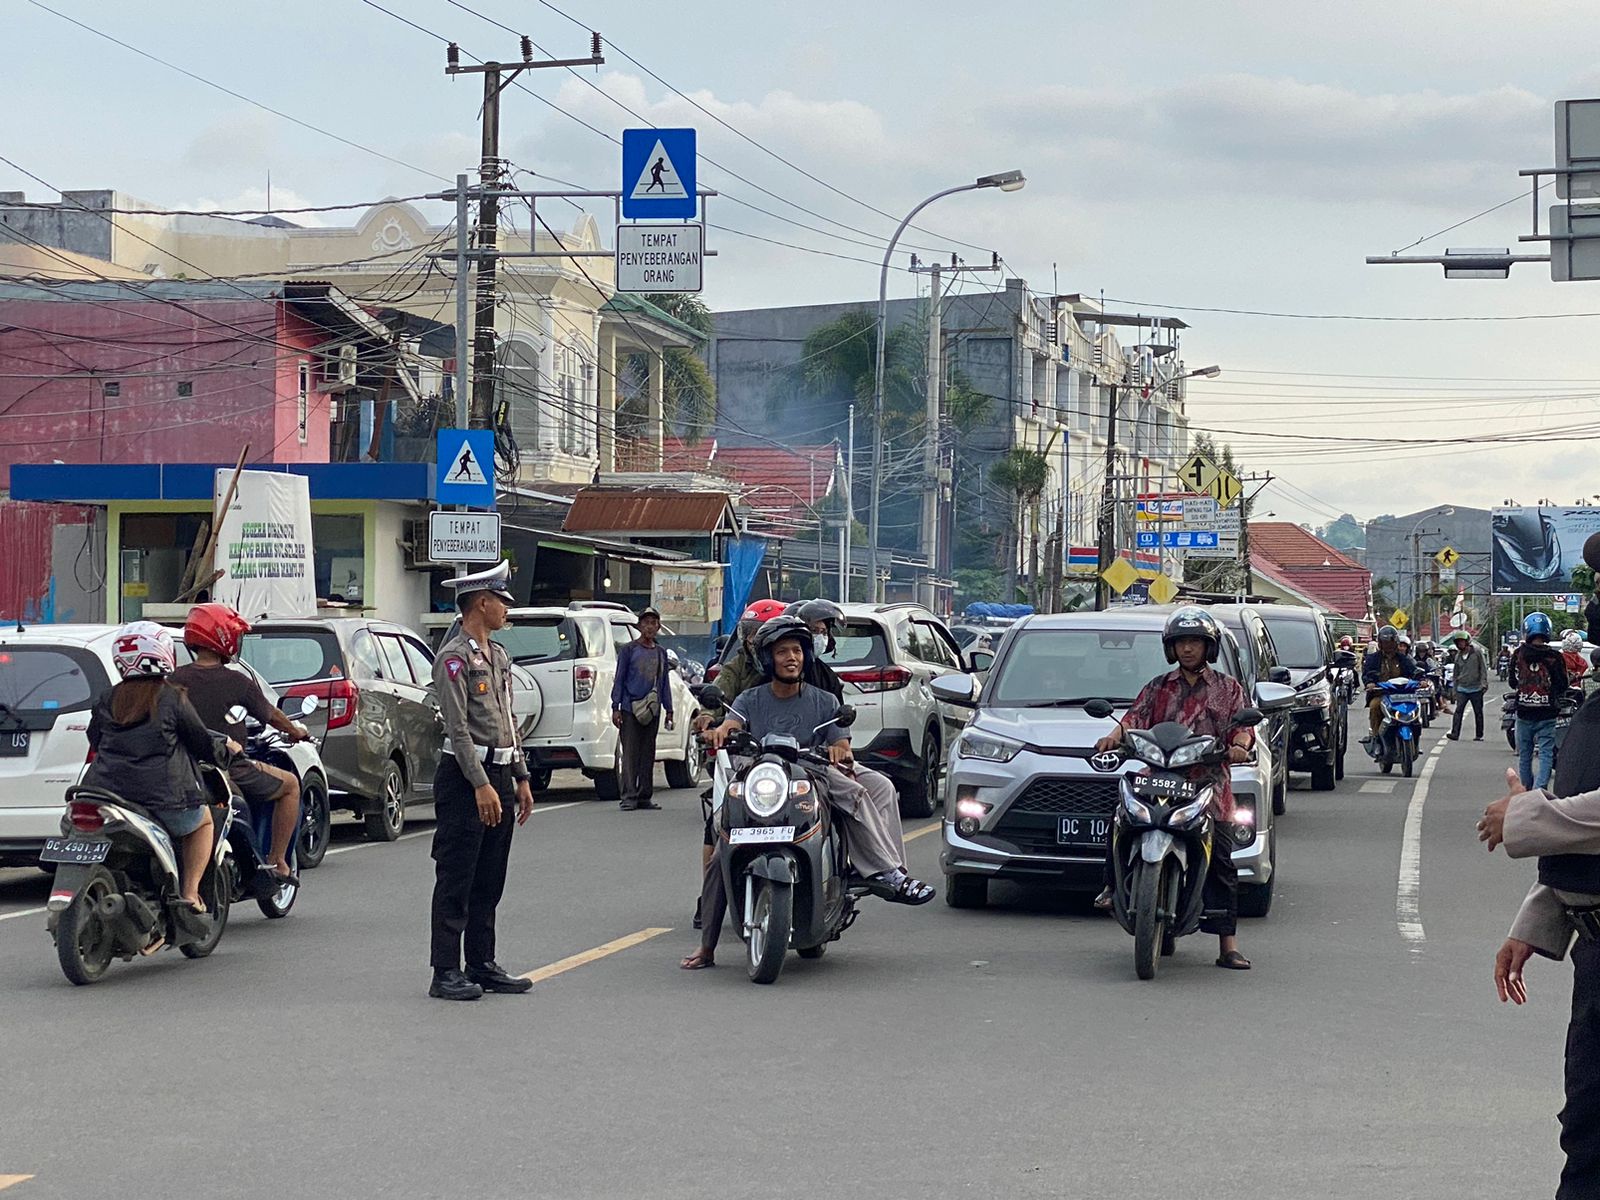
{"type": "Point", "coordinates": [1577, 771]}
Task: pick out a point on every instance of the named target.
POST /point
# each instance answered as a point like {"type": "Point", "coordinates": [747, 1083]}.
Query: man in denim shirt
{"type": "Point", "coordinates": [641, 676]}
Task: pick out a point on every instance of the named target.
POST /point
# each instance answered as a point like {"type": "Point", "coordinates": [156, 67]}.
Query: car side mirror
{"type": "Point", "coordinates": [1247, 717]}
{"type": "Point", "coordinates": [1273, 696]}
{"type": "Point", "coordinates": [980, 660]}
{"type": "Point", "coordinates": [846, 717]}
{"type": "Point", "coordinates": [709, 694]}
{"type": "Point", "coordinates": [1099, 709]}
{"type": "Point", "coordinates": [235, 715]}
{"type": "Point", "coordinates": [309, 705]}
{"type": "Point", "coordinates": [958, 689]}
{"type": "Point", "coordinates": [1279, 675]}
{"type": "Point", "coordinates": [1344, 658]}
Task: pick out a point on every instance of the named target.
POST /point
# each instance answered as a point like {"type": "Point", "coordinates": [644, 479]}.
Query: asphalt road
{"type": "Point", "coordinates": [1009, 1052]}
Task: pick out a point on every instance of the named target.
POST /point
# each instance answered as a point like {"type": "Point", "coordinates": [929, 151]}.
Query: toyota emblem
{"type": "Point", "coordinates": [1106, 760]}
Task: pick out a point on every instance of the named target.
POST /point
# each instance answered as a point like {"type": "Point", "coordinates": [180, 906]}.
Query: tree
{"type": "Point", "coordinates": [1383, 602]}
{"type": "Point", "coordinates": [1024, 474]}
{"type": "Point", "coordinates": [1345, 533]}
{"type": "Point", "coordinates": [689, 393]}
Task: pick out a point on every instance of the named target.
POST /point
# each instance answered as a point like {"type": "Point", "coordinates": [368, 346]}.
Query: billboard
{"type": "Point", "coordinates": [1534, 550]}
{"type": "Point", "coordinates": [264, 546]}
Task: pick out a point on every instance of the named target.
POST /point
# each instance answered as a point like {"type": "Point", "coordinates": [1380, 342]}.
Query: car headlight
{"type": "Point", "coordinates": [1187, 756]}
{"type": "Point", "coordinates": [1319, 696]}
{"type": "Point", "coordinates": [765, 789]}
{"type": "Point", "coordinates": [1145, 748]}
{"type": "Point", "coordinates": [986, 747]}
{"type": "Point", "coordinates": [1136, 810]}
{"type": "Point", "coordinates": [1186, 816]}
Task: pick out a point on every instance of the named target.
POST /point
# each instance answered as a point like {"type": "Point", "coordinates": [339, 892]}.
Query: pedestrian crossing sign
{"type": "Point", "coordinates": [464, 470]}
{"type": "Point", "coordinates": [1448, 557]}
{"type": "Point", "coordinates": [658, 174]}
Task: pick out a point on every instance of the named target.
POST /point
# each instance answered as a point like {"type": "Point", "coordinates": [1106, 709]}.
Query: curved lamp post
{"type": "Point", "coordinates": [1006, 181]}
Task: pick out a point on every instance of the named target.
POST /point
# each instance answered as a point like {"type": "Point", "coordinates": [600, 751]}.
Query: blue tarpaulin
{"type": "Point", "coordinates": [984, 608]}
{"type": "Point", "coordinates": [744, 560]}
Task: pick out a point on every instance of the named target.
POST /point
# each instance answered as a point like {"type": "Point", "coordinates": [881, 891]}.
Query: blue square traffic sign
{"type": "Point", "coordinates": [658, 174]}
{"type": "Point", "coordinates": [464, 469]}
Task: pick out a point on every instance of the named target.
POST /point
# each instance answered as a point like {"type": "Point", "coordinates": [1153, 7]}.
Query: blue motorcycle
{"type": "Point", "coordinates": [1402, 725]}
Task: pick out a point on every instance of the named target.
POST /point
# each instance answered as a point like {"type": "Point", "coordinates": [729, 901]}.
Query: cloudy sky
{"type": "Point", "coordinates": [1182, 155]}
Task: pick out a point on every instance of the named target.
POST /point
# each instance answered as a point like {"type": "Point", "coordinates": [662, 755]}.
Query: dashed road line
{"type": "Point", "coordinates": [21, 912]}
{"type": "Point", "coordinates": [12, 1180]}
{"type": "Point", "coordinates": [1379, 787]}
{"type": "Point", "coordinates": [583, 959]}
{"type": "Point", "coordinates": [1408, 893]}
{"type": "Point", "coordinates": [406, 837]}
{"type": "Point", "coordinates": [916, 833]}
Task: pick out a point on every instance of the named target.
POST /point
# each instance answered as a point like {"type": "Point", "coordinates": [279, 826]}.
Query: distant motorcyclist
{"type": "Point", "coordinates": [1539, 680]}
{"type": "Point", "coordinates": [1573, 658]}
{"type": "Point", "coordinates": [1388, 661]}
{"type": "Point", "coordinates": [741, 671]}
{"type": "Point", "coordinates": [824, 619]}
{"type": "Point", "coordinates": [864, 803]}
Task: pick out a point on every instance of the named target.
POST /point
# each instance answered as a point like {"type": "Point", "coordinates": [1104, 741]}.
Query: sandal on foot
{"type": "Point", "coordinates": [698, 961]}
{"type": "Point", "coordinates": [897, 887]}
{"type": "Point", "coordinates": [1233, 961]}
{"type": "Point", "coordinates": [280, 878]}
{"type": "Point", "coordinates": [1102, 902]}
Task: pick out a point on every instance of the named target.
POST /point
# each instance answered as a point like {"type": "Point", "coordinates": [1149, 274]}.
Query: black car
{"type": "Point", "coordinates": [1319, 730]}
{"type": "Point", "coordinates": [375, 679]}
{"type": "Point", "coordinates": [1262, 664]}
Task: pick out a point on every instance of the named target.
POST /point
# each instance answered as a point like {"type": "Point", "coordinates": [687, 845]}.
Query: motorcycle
{"type": "Point", "coordinates": [1402, 725]}
{"type": "Point", "coordinates": [1508, 718]}
{"type": "Point", "coordinates": [116, 890]}
{"type": "Point", "coordinates": [783, 857]}
{"type": "Point", "coordinates": [1161, 834]}
{"type": "Point", "coordinates": [1566, 706]}
{"type": "Point", "coordinates": [250, 831]}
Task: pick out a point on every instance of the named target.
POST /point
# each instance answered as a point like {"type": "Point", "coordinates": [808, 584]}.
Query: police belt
{"type": "Point", "coordinates": [488, 755]}
{"type": "Point", "coordinates": [1585, 919]}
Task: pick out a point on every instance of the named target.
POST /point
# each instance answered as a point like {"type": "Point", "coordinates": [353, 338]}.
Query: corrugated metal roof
{"type": "Point", "coordinates": [605, 510]}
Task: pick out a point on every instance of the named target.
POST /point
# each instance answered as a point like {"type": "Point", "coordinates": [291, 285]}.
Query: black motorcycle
{"type": "Point", "coordinates": [784, 858]}
{"type": "Point", "coordinates": [1161, 834]}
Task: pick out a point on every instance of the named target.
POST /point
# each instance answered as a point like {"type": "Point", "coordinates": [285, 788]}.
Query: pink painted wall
{"type": "Point", "coordinates": [28, 590]}
{"type": "Point", "coordinates": [240, 356]}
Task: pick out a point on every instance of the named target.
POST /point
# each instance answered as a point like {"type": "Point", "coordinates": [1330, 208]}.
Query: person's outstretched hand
{"type": "Point", "coordinates": [1492, 828]}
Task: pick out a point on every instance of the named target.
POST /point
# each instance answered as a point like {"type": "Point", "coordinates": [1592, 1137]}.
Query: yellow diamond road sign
{"type": "Point", "coordinates": [1225, 489]}
{"type": "Point", "coordinates": [1448, 557]}
{"type": "Point", "coordinates": [1163, 590]}
{"type": "Point", "coordinates": [1120, 575]}
{"type": "Point", "coordinates": [1398, 618]}
{"type": "Point", "coordinates": [1199, 473]}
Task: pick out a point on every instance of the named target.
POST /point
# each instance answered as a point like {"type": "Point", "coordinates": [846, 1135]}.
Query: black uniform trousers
{"type": "Point", "coordinates": [470, 864]}
{"type": "Point", "coordinates": [636, 758]}
{"type": "Point", "coordinates": [1580, 1119]}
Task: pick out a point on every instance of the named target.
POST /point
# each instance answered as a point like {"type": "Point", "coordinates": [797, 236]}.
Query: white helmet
{"type": "Point", "coordinates": [143, 649]}
{"type": "Point", "coordinates": [1572, 640]}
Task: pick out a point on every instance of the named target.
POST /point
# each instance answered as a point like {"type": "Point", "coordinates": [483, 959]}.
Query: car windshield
{"type": "Point", "coordinates": [41, 679]}
{"type": "Point", "coordinates": [1298, 642]}
{"type": "Point", "coordinates": [292, 655]}
{"type": "Point", "coordinates": [860, 643]}
{"type": "Point", "coordinates": [541, 640]}
{"type": "Point", "coordinates": [1061, 666]}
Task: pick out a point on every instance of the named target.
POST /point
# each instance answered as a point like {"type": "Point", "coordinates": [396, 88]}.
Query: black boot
{"type": "Point", "coordinates": [453, 985]}
{"type": "Point", "coordinates": [491, 977]}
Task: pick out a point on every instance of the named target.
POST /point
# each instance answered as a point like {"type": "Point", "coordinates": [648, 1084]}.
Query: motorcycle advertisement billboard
{"type": "Point", "coordinates": [1535, 549]}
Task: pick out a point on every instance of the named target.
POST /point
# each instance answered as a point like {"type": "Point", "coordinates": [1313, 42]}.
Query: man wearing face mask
{"type": "Point", "coordinates": [824, 619]}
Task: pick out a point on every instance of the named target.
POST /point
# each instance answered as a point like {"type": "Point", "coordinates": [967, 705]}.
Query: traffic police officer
{"type": "Point", "coordinates": [480, 776]}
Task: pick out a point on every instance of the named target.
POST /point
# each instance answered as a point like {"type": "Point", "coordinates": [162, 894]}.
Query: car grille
{"type": "Point", "coordinates": [1080, 797]}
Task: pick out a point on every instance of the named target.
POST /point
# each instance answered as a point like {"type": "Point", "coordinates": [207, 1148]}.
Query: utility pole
{"type": "Point", "coordinates": [847, 535]}
{"type": "Point", "coordinates": [496, 78]}
{"type": "Point", "coordinates": [1106, 530]}
{"type": "Point", "coordinates": [1244, 529]}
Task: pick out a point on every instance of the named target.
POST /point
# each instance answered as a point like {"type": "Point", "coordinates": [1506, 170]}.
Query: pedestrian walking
{"type": "Point", "coordinates": [1471, 681]}
{"type": "Point", "coordinates": [481, 780]}
{"type": "Point", "coordinates": [1539, 679]}
{"type": "Point", "coordinates": [641, 698]}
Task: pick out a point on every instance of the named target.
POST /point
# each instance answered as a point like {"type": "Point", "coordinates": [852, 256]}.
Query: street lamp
{"type": "Point", "coordinates": [1006, 181]}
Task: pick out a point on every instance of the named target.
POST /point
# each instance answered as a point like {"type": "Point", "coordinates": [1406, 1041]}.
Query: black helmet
{"type": "Point", "coordinates": [1191, 622]}
{"type": "Point", "coordinates": [1388, 634]}
{"type": "Point", "coordinates": [812, 611]}
{"type": "Point", "coordinates": [776, 630]}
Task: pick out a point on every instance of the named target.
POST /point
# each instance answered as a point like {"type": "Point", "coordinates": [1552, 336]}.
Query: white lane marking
{"type": "Point", "coordinates": [406, 837]}
{"type": "Point", "coordinates": [1380, 787]}
{"type": "Point", "coordinates": [1408, 894]}
{"type": "Point", "coordinates": [21, 912]}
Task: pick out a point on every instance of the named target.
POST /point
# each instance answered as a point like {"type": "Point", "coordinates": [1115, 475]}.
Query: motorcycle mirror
{"type": "Point", "coordinates": [1099, 709]}
{"type": "Point", "coordinates": [309, 705]}
{"type": "Point", "coordinates": [236, 715]}
{"type": "Point", "coordinates": [846, 717]}
{"type": "Point", "coordinates": [1248, 716]}
{"type": "Point", "coordinates": [709, 694]}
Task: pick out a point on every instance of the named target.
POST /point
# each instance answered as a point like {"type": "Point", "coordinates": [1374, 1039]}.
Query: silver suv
{"type": "Point", "coordinates": [1028, 799]}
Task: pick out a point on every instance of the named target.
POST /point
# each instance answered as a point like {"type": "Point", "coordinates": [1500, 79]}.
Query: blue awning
{"type": "Point", "coordinates": [104, 483]}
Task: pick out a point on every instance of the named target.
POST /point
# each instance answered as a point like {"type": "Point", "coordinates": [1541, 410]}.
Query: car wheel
{"type": "Point", "coordinates": [539, 780]}
{"type": "Point", "coordinates": [607, 786]}
{"type": "Point", "coordinates": [1255, 899]}
{"type": "Point", "coordinates": [689, 772]}
{"type": "Point", "coordinates": [921, 796]}
{"type": "Point", "coordinates": [966, 891]}
{"type": "Point", "coordinates": [1322, 776]}
{"type": "Point", "coordinates": [385, 823]}
{"type": "Point", "coordinates": [316, 825]}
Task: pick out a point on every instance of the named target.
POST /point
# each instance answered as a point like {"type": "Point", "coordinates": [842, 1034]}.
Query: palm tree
{"type": "Point", "coordinates": [1025, 474]}
{"type": "Point", "coordinates": [689, 393]}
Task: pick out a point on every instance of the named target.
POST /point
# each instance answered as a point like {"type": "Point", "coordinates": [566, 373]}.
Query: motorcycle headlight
{"type": "Point", "coordinates": [1136, 810]}
{"type": "Point", "coordinates": [1145, 748]}
{"type": "Point", "coordinates": [1187, 756]}
{"type": "Point", "coordinates": [765, 789]}
{"type": "Point", "coordinates": [986, 747]}
{"type": "Point", "coordinates": [1191, 813]}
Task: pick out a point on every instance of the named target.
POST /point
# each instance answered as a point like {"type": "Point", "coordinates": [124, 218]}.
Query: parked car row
{"type": "Point", "coordinates": [1027, 797]}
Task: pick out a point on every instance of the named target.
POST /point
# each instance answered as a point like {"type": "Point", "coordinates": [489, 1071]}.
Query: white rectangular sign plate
{"type": "Point", "coordinates": [464, 537]}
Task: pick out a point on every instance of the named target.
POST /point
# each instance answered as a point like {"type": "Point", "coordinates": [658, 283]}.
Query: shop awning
{"type": "Point", "coordinates": [105, 483]}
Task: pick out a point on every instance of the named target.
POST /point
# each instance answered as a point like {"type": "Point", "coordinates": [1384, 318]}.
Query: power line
{"type": "Point", "coordinates": [1299, 316]}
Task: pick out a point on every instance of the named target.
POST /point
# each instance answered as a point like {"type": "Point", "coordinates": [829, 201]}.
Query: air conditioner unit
{"type": "Point", "coordinates": [347, 365]}
{"type": "Point", "coordinates": [414, 543]}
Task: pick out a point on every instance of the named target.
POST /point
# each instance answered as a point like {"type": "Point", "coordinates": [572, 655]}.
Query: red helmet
{"type": "Point", "coordinates": [215, 627]}
{"type": "Point", "coordinates": [764, 610]}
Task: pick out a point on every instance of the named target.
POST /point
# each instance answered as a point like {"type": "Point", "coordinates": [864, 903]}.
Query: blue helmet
{"type": "Point", "coordinates": [1537, 624]}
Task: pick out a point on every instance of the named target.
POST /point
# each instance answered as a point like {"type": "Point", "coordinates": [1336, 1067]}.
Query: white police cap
{"type": "Point", "coordinates": [496, 579]}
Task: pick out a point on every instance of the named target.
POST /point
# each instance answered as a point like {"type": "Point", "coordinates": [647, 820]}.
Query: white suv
{"type": "Point", "coordinates": [886, 656]}
{"type": "Point", "coordinates": [570, 654]}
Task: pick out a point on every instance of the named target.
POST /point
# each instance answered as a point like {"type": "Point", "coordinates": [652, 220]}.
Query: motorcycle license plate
{"type": "Point", "coordinates": [1161, 787]}
{"type": "Point", "coordinates": [1083, 831]}
{"type": "Point", "coordinates": [74, 850]}
{"type": "Point", "coordinates": [755, 834]}
{"type": "Point", "coordinates": [14, 743]}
